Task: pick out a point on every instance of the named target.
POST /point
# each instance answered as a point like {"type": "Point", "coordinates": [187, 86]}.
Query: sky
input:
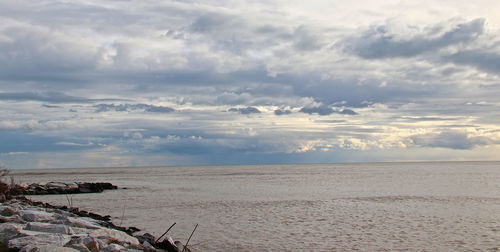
{"type": "Point", "coordinates": [90, 83]}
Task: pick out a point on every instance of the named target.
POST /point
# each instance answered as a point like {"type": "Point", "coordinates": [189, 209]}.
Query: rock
{"type": "Point", "coordinates": [115, 236]}
{"type": "Point", "coordinates": [34, 215]}
{"type": "Point", "coordinates": [9, 231]}
{"type": "Point", "coordinates": [113, 248]}
{"type": "Point", "coordinates": [147, 237]}
{"type": "Point", "coordinates": [79, 247]}
{"type": "Point", "coordinates": [46, 248]}
{"type": "Point", "coordinates": [49, 228]}
{"type": "Point", "coordinates": [11, 219]}
{"type": "Point", "coordinates": [81, 222]}
{"type": "Point", "coordinates": [66, 188]}
{"type": "Point", "coordinates": [93, 244]}
{"type": "Point", "coordinates": [40, 239]}
{"type": "Point", "coordinates": [7, 211]}
{"type": "Point", "coordinates": [148, 247]}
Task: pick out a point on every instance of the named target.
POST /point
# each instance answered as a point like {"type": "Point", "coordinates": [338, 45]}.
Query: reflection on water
{"type": "Point", "coordinates": [329, 207]}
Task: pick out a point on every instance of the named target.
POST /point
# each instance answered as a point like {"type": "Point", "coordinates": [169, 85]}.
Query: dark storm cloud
{"type": "Point", "coordinates": [245, 111]}
{"type": "Point", "coordinates": [49, 96]}
{"type": "Point", "coordinates": [378, 42]}
{"type": "Point", "coordinates": [129, 107]}
{"type": "Point", "coordinates": [451, 140]}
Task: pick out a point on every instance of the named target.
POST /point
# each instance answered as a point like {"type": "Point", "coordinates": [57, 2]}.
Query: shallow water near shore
{"type": "Point", "coordinates": [430, 206]}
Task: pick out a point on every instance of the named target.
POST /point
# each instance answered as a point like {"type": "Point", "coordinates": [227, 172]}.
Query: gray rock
{"type": "Point", "coordinates": [7, 211]}
{"type": "Point", "coordinates": [46, 248]}
{"type": "Point", "coordinates": [113, 248]}
{"type": "Point", "coordinates": [49, 228]}
{"type": "Point", "coordinates": [79, 247]}
{"type": "Point", "coordinates": [11, 219]}
{"type": "Point", "coordinates": [9, 231]}
{"type": "Point", "coordinates": [36, 215]}
{"type": "Point", "coordinates": [148, 247]}
{"type": "Point", "coordinates": [38, 239]}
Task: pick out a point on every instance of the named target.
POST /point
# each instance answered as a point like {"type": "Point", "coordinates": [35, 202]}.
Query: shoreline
{"type": "Point", "coordinates": [27, 225]}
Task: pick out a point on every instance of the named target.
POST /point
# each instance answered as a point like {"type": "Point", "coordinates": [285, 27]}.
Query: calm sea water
{"type": "Point", "coordinates": [444, 206]}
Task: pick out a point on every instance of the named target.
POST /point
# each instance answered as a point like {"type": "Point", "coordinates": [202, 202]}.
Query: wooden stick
{"type": "Point", "coordinates": [185, 246]}
{"type": "Point", "coordinates": [165, 232]}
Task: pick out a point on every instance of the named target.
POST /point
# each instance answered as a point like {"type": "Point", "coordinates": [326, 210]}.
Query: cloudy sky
{"type": "Point", "coordinates": [89, 83]}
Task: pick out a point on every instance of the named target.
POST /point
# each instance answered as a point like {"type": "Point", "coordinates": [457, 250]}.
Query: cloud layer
{"type": "Point", "coordinates": [93, 83]}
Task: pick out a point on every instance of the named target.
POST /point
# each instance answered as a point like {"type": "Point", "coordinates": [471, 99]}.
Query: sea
{"type": "Point", "coordinates": [414, 206]}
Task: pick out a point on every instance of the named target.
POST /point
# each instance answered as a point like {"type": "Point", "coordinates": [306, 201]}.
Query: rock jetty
{"type": "Point", "coordinates": [66, 188]}
{"type": "Point", "coordinates": [35, 226]}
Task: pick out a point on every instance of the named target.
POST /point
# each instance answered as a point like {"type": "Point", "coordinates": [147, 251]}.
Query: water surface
{"type": "Point", "coordinates": [432, 206]}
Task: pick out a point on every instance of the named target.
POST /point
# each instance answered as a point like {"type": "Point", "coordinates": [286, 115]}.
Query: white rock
{"type": "Point", "coordinates": [39, 239]}
{"type": "Point", "coordinates": [111, 234]}
{"type": "Point", "coordinates": [36, 215]}
{"type": "Point", "coordinates": [49, 228]}
{"type": "Point", "coordinates": [81, 222]}
{"type": "Point", "coordinates": [9, 231]}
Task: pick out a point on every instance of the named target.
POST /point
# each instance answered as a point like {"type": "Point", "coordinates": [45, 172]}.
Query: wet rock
{"type": "Point", "coordinates": [40, 239]}
{"type": "Point", "coordinates": [49, 228]}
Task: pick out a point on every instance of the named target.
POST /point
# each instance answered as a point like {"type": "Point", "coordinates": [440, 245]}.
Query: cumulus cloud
{"type": "Point", "coordinates": [451, 140]}
{"type": "Point", "coordinates": [245, 111]}
{"type": "Point", "coordinates": [279, 112]}
{"type": "Point", "coordinates": [380, 42]}
{"type": "Point", "coordinates": [487, 60]}
{"type": "Point", "coordinates": [325, 110]}
{"type": "Point", "coordinates": [430, 71]}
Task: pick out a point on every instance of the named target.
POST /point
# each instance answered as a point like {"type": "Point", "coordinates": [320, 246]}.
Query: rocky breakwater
{"type": "Point", "coordinates": [35, 226]}
{"type": "Point", "coordinates": [66, 188]}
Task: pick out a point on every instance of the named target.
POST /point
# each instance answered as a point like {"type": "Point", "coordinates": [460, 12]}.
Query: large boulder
{"type": "Point", "coordinates": [115, 236]}
{"type": "Point", "coordinates": [9, 231]}
{"type": "Point", "coordinates": [36, 215]}
{"type": "Point", "coordinates": [39, 240]}
{"type": "Point", "coordinates": [47, 248]}
{"type": "Point", "coordinates": [49, 228]}
{"type": "Point", "coordinates": [82, 222]}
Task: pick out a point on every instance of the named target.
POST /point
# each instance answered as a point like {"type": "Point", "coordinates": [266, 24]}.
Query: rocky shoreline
{"type": "Point", "coordinates": [31, 226]}
{"type": "Point", "coordinates": [67, 188]}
